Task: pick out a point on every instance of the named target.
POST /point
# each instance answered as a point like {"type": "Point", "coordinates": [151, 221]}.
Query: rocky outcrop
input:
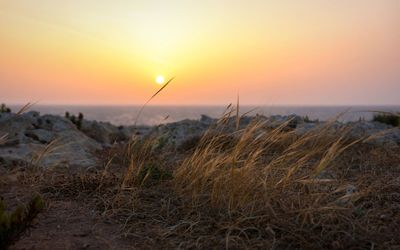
{"type": "Point", "coordinates": [49, 140]}
{"type": "Point", "coordinates": [46, 141]}
{"type": "Point", "coordinates": [376, 133]}
{"type": "Point", "coordinates": [104, 133]}
{"type": "Point", "coordinates": [181, 132]}
{"type": "Point", "coordinates": [177, 132]}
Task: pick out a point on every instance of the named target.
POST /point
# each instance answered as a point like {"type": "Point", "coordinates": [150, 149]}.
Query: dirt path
{"type": "Point", "coordinates": [65, 223]}
{"type": "Point", "coordinates": [70, 225]}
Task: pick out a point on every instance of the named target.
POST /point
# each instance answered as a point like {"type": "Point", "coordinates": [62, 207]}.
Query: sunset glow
{"type": "Point", "coordinates": [271, 52]}
{"type": "Point", "coordinates": [160, 79]}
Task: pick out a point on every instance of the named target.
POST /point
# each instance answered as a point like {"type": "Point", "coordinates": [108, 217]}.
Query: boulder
{"type": "Point", "coordinates": [376, 132]}
{"type": "Point", "coordinates": [54, 123]}
{"type": "Point", "coordinates": [275, 121]}
{"type": "Point", "coordinates": [105, 133]}
{"type": "Point", "coordinates": [206, 119]}
{"type": "Point", "coordinates": [40, 135]}
{"type": "Point", "coordinates": [46, 141]}
{"type": "Point", "coordinates": [177, 132]}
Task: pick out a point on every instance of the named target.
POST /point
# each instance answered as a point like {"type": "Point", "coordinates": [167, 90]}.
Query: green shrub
{"type": "Point", "coordinates": [387, 118]}
{"type": "Point", "coordinates": [75, 120]}
{"type": "Point", "coordinates": [79, 121]}
{"type": "Point", "coordinates": [14, 223]}
{"type": "Point", "coordinates": [4, 109]}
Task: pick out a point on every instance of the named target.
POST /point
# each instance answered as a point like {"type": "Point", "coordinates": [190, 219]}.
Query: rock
{"type": "Point", "coordinates": [30, 134]}
{"type": "Point", "coordinates": [20, 155]}
{"type": "Point", "coordinates": [15, 126]}
{"type": "Point", "coordinates": [75, 149]}
{"type": "Point", "coordinates": [177, 132]}
{"type": "Point", "coordinates": [45, 141]}
{"type": "Point", "coordinates": [206, 119]}
{"type": "Point", "coordinates": [40, 135]}
{"type": "Point", "coordinates": [348, 194]}
{"type": "Point", "coordinates": [6, 116]}
{"type": "Point", "coordinates": [275, 121]}
{"type": "Point", "coordinates": [32, 114]}
{"type": "Point", "coordinates": [350, 189]}
{"type": "Point", "coordinates": [104, 132]}
{"type": "Point", "coordinates": [379, 133]}
{"type": "Point", "coordinates": [55, 123]}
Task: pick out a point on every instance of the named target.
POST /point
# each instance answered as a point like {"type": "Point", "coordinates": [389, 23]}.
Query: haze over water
{"type": "Point", "coordinates": [153, 115]}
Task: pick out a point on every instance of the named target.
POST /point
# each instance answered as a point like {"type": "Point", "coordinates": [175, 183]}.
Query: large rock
{"type": "Point", "coordinates": [369, 131]}
{"type": "Point", "coordinates": [180, 132]}
{"type": "Point", "coordinates": [177, 132]}
{"type": "Point", "coordinates": [50, 140]}
{"type": "Point", "coordinates": [376, 133]}
{"type": "Point", "coordinates": [107, 134]}
{"type": "Point", "coordinates": [46, 141]}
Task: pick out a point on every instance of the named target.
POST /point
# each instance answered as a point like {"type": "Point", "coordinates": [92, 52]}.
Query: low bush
{"type": "Point", "coordinates": [388, 118]}
{"type": "Point", "coordinates": [4, 109]}
{"type": "Point", "coordinates": [75, 120]}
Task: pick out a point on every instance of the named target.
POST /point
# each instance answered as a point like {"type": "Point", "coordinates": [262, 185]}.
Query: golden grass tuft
{"type": "Point", "coordinates": [3, 139]}
{"type": "Point", "coordinates": [250, 167]}
{"type": "Point", "coordinates": [274, 188]}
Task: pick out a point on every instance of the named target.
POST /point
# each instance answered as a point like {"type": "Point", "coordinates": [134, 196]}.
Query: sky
{"type": "Point", "coordinates": [288, 52]}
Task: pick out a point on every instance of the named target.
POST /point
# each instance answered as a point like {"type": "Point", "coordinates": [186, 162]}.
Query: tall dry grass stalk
{"type": "Point", "coordinates": [139, 153]}
{"type": "Point", "coordinates": [253, 167]}
{"type": "Point", "coordinates": [151, 98]}
{"type": "Point", "coordinates": [25, 108]}
{"type": "Point", "coordinates": [3, 139]}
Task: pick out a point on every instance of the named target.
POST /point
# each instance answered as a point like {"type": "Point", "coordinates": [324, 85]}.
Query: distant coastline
{"type": "Point", "coordinates": [154, 114]}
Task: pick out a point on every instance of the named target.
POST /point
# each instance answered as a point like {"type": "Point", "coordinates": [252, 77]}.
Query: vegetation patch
{"type": "Point", "coordinates": [77, 120]}
{"type": "Point", "coordinates": [13, 224]}
{"type": "Point", "coordinates": [4, 109]}
{"type": "Point", "coordinates": [388, 118]}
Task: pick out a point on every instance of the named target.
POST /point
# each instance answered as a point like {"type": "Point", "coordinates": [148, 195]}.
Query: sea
{"type": "Point", "coordinates": [152, 115]}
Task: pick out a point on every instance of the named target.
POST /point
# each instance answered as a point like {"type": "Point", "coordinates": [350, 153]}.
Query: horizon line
{"type": "Point", "coordinates": [201, 105]}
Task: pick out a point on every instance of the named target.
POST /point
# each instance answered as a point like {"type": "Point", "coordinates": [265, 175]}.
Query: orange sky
{"type": "Point", "coordinates": [312, 52]}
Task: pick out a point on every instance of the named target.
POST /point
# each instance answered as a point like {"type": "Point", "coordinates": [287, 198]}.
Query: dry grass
{"type": "Point", "coordinates": [244, 169]}
{"type": "Point", "coordinates": [243, 187]}
{"type": "Point", "coordinates": [3, 139]}
{"type": "Point", "coordinates": [277, 189]}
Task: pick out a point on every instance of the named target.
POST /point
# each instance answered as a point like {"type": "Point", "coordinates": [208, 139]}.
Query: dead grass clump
{"type": "Point", "coordinates": [248, 166]}
{"type": "Point", "coordinates": [145, 163]}
{"type": "Point", "coordinates": [273, 184]}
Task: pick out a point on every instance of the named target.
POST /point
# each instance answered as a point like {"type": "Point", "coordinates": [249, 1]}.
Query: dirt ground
{"type": "Point", "coordinates": [63, 224]}
{"type": "Point", "coordinates": [87, 210]}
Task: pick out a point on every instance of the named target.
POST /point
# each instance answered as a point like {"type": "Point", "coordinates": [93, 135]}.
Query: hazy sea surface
{"type": "Point", "coordinates": [151, 115]}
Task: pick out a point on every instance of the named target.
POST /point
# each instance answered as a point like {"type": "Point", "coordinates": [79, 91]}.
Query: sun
{"type": "Point", "coordinates": [160, 79]}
